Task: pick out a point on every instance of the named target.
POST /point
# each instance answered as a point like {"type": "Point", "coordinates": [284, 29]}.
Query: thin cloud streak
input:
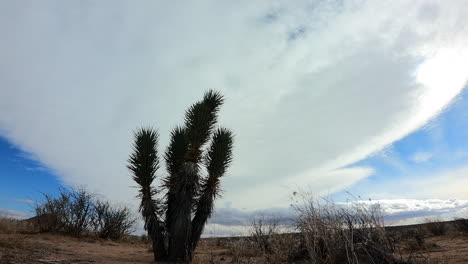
{"type": "Point", "coordinates": [25, 201]}
{"type": "Point", "coordinates": [13, 214]}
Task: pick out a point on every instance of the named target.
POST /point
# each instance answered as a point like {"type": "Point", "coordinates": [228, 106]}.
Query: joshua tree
{"type": "Point", "coordinates": [197, 156]}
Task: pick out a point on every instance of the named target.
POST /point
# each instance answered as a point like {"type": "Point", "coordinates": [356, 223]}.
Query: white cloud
{"type": "Point", "coordinates": [25, 201]}
{"type": "Point", "coordinates": [413, 211]}
{"type": "Point", "coordinates": [233, 222]}
{"type": "Point", "coordinates": [311, 87]}
{"type": "Point", "coordinates": [420, 157]}
{"type": "Point", "coordinates": [320, 181]}
{"type": "Point", "coordinates": [445, 184]}
{"type": "Point", "coordinates": [13, 214]}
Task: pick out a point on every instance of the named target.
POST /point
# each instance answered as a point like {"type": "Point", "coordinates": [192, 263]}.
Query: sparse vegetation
{"type": "Point", "coordinates": [416, 238]}
{"type": "Point", "coordinates": [333, 233]}
{"type": "Point", "coordinates": [178, 219]}
{"type": "Point", "coordinates": [344, 234]}
{"type": "Point", "coordinates": [262, 231]}
{"type": "Point", "coordinates": [76, 211]}
{"type": "Point", "coordinates": [111, 222]}
{"type": "Point", "coordinates": [275, 245]}
{"type": "Point", "coordinates": [436, 227]}
{"type": "Point", "coordinates": [17, 246]}
{"type": "Point", "coordinates": [8, 225]}
{"type": "Point", "coordinates": [462, 225]}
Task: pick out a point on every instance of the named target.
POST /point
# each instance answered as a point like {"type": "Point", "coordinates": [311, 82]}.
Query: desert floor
{"type": "Point", "coordinates": [50, 248]}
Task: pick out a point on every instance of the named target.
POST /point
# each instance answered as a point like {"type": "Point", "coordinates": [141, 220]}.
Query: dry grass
{"type": "Point", "coordinates": [462, 225]}
{"type": "Point", "coordinates": [8, 225]}
{"type": "Point", "coordinates": [352, 233]}
{"type": "Point", "coordinates": [275, 243]}
{"type": "Point", "coordinates": [21, 248]}
{"type": "Point", "coordinates": [447, 249]}
{"type": "Point", "coordinates": [412, 244]}
{"type": "Point", "coordinates": [436, 227]}
{"type": "Point", "coordinates": [13, 226]}
{"type": "Point", "coordinates": [55, 248]}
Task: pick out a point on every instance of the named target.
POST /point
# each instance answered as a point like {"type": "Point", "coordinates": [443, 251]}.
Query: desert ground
{"type": "Point", "coordinates": [34, 247]}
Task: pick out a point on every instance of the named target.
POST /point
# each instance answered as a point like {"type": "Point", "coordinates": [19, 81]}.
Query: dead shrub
{"type": "Point", "coordinates": [275, 243]}
{"type": "Point", "coordinates": [261, 231]}
{"type": "Point", "coordinates": [242, 251]}
{"type": "Point", "coordinates": [8, 225]}
{"type": "Point", "coordinates": [13, 226]}
{"type": "Point", "coordinates": [462, 225]}
{"type": "Point", "coordinates": [77, 211]}
{"type": "Point", "coordinates": [419, 241]}
{"type": "Point", "coordinates": [70, 212]}
{"type": "Point", "coordinates": [436, 227]}
{"type": "Point", "coordinates": [414, 238]}
{"type": "Point", "coordinates": [344, 233]}
{"type": "Point", "coordinates": [111, 222]}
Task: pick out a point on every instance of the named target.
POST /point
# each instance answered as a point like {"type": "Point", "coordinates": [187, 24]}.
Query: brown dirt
{"type": "Point", "coordinates": [448, 249]}
{"type": "Point", "coordinates": [55, 249]}
{"type": "Point", "coordinates": [49, 248]}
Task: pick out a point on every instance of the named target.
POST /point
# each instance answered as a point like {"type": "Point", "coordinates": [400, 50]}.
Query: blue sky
{"type": "Point", "coordinates": [319, 98]}
{"type": "Point", "coordinates": [438, 146]}
{"type": "Point", "coordinates": [23, 179]}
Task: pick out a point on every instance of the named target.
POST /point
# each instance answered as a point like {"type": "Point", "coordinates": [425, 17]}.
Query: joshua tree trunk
{"type": "Point", "coordinates": [181, 227]}
{"type": "Point", "coordinates": [159, 248]}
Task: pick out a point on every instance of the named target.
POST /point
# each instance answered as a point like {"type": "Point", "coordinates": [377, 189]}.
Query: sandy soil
{"type": "Point", "coordinates": [448, 249]}
{"type": "Point", "coordinates": [49, 248]}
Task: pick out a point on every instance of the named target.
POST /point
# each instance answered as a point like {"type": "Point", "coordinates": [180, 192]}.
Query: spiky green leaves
{"type": "Point", "coordinates": [144, 160]}
{"type": "Point", "coordinates": [213, 99]}
{"type": "Point", "coordinates": [219, 154]}
{"type": "Point", "coordinates": [217, 160]}
{"type": "Point", "coordinates": [200, 120]}
{"type": "Point", "coordinates": [176, 150]}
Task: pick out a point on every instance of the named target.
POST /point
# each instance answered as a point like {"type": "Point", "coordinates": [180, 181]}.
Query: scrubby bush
{"type": "Point", "coordinates": [346, 233]}
{"type": "Point", "coordinates": [275, 243]}
{"type": "Point", "coordinates": [111, 222]}
{"type": "Point", "coordinates": [416, 238]}
{"type": "Point", "coordinates": [8, 225]}
{"type": "Point", "coordinates": [436, 227]}
{"type": "Point", "coordinates": [462, 225]}
{"type": "Point", "coordinates": [70, 212]}
{"type": "Point", "coordinates": [242, 251]}
{"type": "Point", "coordinates": [261, 231]}
{"type": "Point", "coordinates": [50, 212]}
{"type": "Point", "coordinates": [76, 211]}
{"type": "Point", "coordinates": [330, 233]}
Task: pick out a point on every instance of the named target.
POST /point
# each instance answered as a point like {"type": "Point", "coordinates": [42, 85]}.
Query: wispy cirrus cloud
{"type": "Point", "coordinates": [13, 214]}
{"type": "Point", "coordinates": [25, 201]}
{"type": "Point", "coordinates": [420, 157]}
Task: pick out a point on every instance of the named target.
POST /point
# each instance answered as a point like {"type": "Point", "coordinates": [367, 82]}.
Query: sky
{"type": "Point", "coordinates": [324, 96]}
